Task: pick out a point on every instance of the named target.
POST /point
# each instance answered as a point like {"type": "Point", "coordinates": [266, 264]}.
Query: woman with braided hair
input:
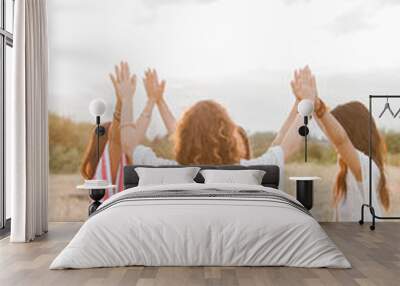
{"type": "Point", "coordinates": [346, 128]}
{"type": "Point", "coordinates": [113, 159]}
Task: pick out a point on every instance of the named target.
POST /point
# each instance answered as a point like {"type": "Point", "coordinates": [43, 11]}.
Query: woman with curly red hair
{"type": "Point", "coordinates": [211, 134]}
{"type": "Point", "coordinates": [206, 134]}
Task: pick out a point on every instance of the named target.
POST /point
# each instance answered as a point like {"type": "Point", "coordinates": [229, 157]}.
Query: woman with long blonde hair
{"type": "Point", "coordinates": [346, 127]}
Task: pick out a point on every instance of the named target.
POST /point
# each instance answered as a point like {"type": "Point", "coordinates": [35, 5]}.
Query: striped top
{"type": "Point", "coordinates": [103, 172]}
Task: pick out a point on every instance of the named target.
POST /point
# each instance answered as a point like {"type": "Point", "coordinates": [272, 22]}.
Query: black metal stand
{"type": "Point", "coordinates": [369, 205]}
{"type": "Point", "coordinates": [303, 131]}
{"type": "Point", "coordinates": [304, 193]}
{"type": "Point", "coordinates": [100, 131]}
{"type": "Point", "coordinates": [96, 195]}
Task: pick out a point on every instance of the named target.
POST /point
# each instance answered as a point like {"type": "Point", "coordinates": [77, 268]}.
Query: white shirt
{"type": "Point", "coordinates": [349, 208]}
{"type": "Point", "coordinates": [273, 156]}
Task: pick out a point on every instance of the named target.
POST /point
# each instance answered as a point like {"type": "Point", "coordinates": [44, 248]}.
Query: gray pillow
{"type": "Point", "coordinates": [248, 177]}
{"type": "Point", "coordinates": [166, 176]}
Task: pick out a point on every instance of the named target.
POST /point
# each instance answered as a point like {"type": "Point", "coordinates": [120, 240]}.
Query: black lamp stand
{"type": "Point", "coordinates": [303, 131]}
{"type": "Point", "coordinates": [97, 194]}
{"type": "Point", "coordinates": [100, 131]}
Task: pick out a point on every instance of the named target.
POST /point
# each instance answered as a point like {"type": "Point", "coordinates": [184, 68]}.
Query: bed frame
{"type": "Point", "coordinates": [270, 179]}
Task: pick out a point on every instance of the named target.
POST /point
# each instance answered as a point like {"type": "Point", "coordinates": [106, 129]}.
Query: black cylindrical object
{"type": "Point", "coordinates": [96, 195]}
{"type": "Point", "coordinates": [304, 193]}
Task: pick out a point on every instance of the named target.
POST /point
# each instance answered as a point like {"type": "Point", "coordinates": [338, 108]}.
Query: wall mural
{"type": "Point", "coordinates": [218, 82]}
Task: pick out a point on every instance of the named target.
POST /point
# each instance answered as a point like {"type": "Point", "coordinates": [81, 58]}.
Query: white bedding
{"type": "Point", "coordinates": [200, 231]}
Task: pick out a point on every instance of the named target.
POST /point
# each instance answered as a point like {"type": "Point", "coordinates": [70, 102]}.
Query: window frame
{"type": "Point", "coordinates": [6, 39]}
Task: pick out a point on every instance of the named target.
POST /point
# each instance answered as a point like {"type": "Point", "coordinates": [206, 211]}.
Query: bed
{"type": "Point", "coordinates": [197, 224]}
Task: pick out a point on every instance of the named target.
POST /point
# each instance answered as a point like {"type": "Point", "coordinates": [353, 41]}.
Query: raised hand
{"type": "Point", "coordinates": [154, 88]}
{"type": "Point", "coordinates": [295, 84]}
{"type": "Point", "coordinates": [304, 84]}
{"type": "Point", "coordinates": [124, 82]}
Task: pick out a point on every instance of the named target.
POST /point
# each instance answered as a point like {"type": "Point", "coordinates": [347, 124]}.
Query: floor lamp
{"type": "Point", "coordinates": [97, 108]}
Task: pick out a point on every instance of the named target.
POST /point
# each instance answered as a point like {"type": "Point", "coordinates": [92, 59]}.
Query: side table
{"type": "Point", "coordinates": [96, 194]}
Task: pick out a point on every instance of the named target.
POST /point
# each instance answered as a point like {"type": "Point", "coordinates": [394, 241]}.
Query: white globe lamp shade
{"type": "Point", "coordinates": [305, 107]}
{"type": "Point", "coordinates": [97, 107]}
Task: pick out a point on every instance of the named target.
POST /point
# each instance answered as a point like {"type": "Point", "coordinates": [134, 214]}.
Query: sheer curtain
{"type": "Point", "coordinates": [27, 123]}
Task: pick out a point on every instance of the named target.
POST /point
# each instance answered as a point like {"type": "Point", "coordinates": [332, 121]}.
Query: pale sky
{"type": "Point", "coordinates": [240, 53]}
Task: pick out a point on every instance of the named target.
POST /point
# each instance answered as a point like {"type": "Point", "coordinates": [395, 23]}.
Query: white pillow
{"type": "Point", "coordinates": [163, 176]}
{"type": "Point", "coordinates": [248, 177]}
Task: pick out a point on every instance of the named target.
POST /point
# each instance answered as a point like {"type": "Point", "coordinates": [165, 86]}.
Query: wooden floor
{"type": "Point", "coordinates": [375, 257]}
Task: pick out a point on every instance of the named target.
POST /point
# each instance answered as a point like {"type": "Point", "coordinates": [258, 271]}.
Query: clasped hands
{"type": "Point", "coordinates": [304, 86]}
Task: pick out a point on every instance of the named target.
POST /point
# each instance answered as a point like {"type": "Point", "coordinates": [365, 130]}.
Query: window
{"type": "Point", "coordinates": [6, 43]}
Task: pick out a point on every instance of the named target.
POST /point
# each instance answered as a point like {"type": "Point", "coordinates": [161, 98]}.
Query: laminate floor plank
{"type": "Point", "coordinates": [375, 258]}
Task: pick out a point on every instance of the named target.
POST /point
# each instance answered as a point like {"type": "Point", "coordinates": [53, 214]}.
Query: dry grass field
{"type": "Point", "coordinates": [66, 203]}
{"type": "Point", "coordinates": [322, 209]}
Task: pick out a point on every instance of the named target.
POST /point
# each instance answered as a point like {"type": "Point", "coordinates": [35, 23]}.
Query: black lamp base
{"type": "Point", "coordinates": [96, 195]}
{"type": "Point", "coordinates": [304, 193]}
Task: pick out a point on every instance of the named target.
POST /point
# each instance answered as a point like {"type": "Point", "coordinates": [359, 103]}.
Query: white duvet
{"type": "Point", "coordinates": [199, 231]}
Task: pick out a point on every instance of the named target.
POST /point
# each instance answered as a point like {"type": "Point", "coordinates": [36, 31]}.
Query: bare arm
{"type": "Point", "coordinates": [290, 144]}
{"type": "Point", "coordinates": [115, 149]}
{"type": "Point", "coordinates": [280, 136]}
{"type": "Point", "coordinates": [143, 122]}
{"type": "Point", "coordinates": [341, 141]}
{"type": "Point", "coordinates": [131, 134]}
{"type": "Point", "coordinates": [292, 141]}
{"type": "Point", "coordinates": [128, 128]}
{"type": "Point", "coordinates": [288, 137]}
{"type": "Point", "coordinates": [288, 134]}
{"type": "Point", "coordinates": [167, 116]}
{"type": "Point", "coordinates": [155, 90]}
{"type": "Point", "coordinates": [306, 87]}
